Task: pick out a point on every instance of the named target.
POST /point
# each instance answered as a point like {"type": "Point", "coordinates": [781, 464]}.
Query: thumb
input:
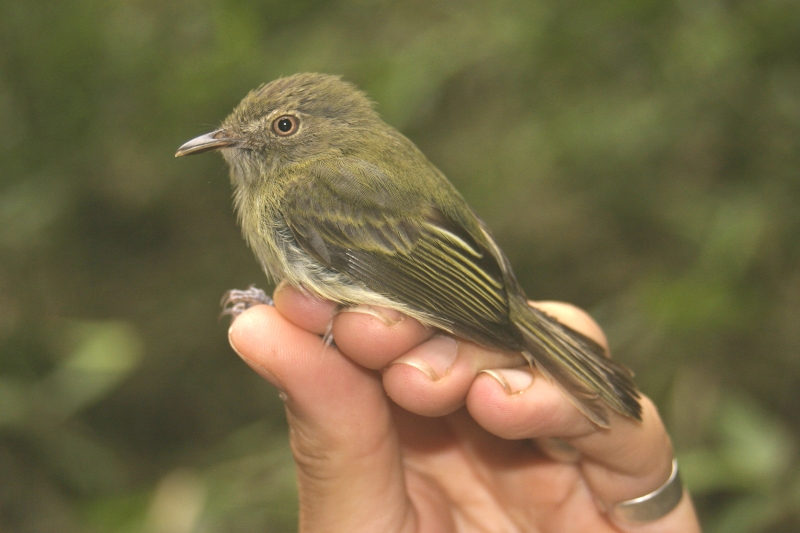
{"type": "Point", "coordinates": [350, 475]}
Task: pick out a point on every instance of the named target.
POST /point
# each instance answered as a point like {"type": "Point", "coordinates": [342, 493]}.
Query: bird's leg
{"type": "Point", "coordinates": [236, 301]}
{"type": "Point", "coordinates": [327, 338]}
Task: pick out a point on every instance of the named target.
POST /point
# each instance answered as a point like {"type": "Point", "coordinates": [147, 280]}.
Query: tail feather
{"type": "Point", "coordinates": [580, 367]}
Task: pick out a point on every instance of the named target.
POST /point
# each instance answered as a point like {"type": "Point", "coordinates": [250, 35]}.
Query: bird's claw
{"type": "Point", "coordinates": [236, 301]}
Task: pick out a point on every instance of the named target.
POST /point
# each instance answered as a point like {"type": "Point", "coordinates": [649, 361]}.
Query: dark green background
{"type": "Point", "coordinates": [639, 158]}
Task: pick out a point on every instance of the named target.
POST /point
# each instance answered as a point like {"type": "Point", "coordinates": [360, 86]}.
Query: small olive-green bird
{"type": "Point", "coordinates": [340, 204]}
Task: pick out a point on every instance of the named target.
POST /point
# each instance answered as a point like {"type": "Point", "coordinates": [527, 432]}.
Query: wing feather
{"type": "Point", "coordinates": [408, 250]}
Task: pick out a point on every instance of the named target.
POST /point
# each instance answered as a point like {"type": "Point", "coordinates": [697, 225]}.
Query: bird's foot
{"type": "Point", "coordinates": [236, 301]}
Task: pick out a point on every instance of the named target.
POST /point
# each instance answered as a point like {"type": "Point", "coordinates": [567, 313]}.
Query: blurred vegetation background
{"type": "Point", "coordinates": [639, 158]}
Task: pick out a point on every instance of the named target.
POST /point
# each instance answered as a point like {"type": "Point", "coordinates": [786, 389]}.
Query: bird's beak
{"type": "Point", "coordinates": [210, 141]}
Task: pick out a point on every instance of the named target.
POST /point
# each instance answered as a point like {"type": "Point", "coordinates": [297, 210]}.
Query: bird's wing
{"type": "Point", "coordinates": [351, 217]}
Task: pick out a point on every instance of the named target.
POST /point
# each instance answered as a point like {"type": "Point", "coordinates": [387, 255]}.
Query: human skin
{"type": "Point", "coordinates": [398, 428]}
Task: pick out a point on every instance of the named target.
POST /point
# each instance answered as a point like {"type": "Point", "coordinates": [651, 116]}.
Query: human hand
{"type": "Point", "coordinates": [453, 450]}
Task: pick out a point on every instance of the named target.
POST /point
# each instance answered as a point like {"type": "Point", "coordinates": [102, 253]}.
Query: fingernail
{"type": "Point", "coordinates": [434, 357]}
{"type": "Point", "coordinates": [389, 317]}
{"type": "Point", "coordinates": [512, 380]}
{"type": "Point", "coordinates": [230, 339]}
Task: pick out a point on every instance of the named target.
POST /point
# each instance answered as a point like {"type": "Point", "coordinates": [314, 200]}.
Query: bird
{"type": "Point", "coordinates": [338, 203]}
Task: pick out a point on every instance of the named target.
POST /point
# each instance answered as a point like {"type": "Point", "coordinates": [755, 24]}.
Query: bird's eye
{"type": "Point", "coordinates": [285, 125]}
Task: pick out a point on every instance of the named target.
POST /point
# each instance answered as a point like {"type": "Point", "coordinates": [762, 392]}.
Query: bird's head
{"type": "Point", "coordinates": [287, 121]}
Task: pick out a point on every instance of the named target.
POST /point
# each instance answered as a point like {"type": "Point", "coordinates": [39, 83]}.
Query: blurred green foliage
{"type": "Point", "coordinates": [640, 158]}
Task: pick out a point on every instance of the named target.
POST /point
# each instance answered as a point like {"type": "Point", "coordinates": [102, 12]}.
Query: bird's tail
{"type": "Point", "coordinates": [579, 366]}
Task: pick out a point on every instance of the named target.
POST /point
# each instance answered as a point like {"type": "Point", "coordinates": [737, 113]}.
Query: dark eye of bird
{"type": "Point", "coordinates": [285, 125]}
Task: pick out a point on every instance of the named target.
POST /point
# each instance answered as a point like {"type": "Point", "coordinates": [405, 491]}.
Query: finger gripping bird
{"type": "Point", "coordinates": [335, 201]}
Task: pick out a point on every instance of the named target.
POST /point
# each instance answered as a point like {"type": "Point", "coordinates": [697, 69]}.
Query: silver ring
{"type": "Point", "coordinates": [654, 505]}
